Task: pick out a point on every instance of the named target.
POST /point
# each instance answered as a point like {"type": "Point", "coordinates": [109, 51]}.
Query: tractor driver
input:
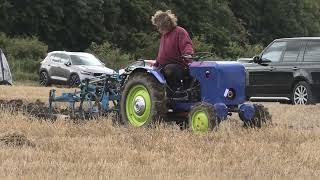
{"type": "Point", "coordinates": [175, 43]}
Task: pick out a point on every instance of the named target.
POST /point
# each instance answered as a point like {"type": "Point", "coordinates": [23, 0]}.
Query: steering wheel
{"type": "Point", "coordinates": [197, 56]}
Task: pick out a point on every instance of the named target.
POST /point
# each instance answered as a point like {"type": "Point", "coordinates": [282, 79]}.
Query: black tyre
{"type": "Point", "coordinates": [261, 117]}
{"type": "Point", "coordinates": [74, 80]}
{"type": "Point", "coordinates": [44, 78]}
{"type": "Point", "coordinates": [302, 94]}
{"type": "Point", "coordinates": [143, 101]}
{"type": "Point", "coordinates": [6, 83]}
{"type": "Point", "coordinates": [202, 118]}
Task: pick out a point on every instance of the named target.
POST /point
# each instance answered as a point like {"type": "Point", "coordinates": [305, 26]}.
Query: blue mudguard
{"type": "Point", "coordinates": [153, 71]}
{"type": "Point", "coordinates": [222, 111]}
{"type": "Point", "coordinates": [158, 75]}
{"type": "Point", "coordinates": [247, 112]}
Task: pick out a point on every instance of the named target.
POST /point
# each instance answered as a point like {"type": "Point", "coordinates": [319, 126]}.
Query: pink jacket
{"type": "Point", "coordinates": [173, 45]}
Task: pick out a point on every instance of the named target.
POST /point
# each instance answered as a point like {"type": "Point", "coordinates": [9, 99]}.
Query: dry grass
{"type": "Point", "coordinates": [96, 150]}
{"type": "Point", "coordinates": [28, 93]}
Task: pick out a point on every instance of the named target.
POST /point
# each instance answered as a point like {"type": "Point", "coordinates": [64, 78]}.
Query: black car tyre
{"type": "Point", "coordinates": [302, 94]}
{"type": "Point", "coordinates": [74, 80]}
{"type": "Point", "coordinates": [44, 78]}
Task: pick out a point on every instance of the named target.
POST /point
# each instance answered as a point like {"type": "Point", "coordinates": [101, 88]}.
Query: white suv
{"type": "Point", "coordinates": [70, 68]}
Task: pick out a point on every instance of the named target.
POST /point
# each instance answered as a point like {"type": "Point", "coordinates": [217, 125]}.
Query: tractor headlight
{"type": "Point", "coordinates": [86, 73]}
{"type": "Point", "coordinates": [230, 93]}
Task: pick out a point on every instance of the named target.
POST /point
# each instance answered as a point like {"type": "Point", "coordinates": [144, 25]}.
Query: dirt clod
{"type": "Point", "coordinates": [15, 139]}
{"type": "Point", "coordinates": [36, 109]}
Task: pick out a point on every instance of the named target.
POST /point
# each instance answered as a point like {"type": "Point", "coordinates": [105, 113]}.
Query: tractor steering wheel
{"type": "Point", "coordinates": [197, 56]}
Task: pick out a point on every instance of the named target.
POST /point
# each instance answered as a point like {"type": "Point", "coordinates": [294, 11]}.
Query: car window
{"type": "Point", "coordinates": [292, 51]}
{"type": "Point", "coordinates": [274, 52]}
{"type": "Point", "coordinates": [88, 60]}
{"type": "Point", "coordinates": [55, 58]}
{"type": "Point", "coordinates": [312, 53]}
{"type": "Point", "coordinates": [64, 58]}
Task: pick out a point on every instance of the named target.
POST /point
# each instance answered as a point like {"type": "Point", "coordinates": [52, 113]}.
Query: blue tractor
{"type": "Point", "coordinates": [211, 92]}
{"type": "Point", "coordinates": [141, 97]}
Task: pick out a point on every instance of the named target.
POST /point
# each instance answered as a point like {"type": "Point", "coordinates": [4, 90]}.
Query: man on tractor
{"type": "Point", "coordinates": [197, 95]}
{"type": "Point", "coordinates": [175, 43]}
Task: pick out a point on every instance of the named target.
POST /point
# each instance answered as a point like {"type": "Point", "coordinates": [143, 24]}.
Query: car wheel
{"type": "Point", "coordinates": [74, 80]}
{"type": "Point", "coordinates": [302, 94]}
{"type": "Point", "coordinates": [44, 79]}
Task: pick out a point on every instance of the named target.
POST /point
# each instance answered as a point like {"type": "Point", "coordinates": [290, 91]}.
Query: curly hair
{"type": "Point", "coordinates": [164, 21]}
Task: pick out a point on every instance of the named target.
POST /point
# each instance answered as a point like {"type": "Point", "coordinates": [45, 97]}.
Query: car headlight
{"type": "Point", "coordinates": [86, 73]}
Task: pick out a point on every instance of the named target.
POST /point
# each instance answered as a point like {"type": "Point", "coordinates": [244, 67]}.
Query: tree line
{"type": "Point", "coordinates": [228, 28]}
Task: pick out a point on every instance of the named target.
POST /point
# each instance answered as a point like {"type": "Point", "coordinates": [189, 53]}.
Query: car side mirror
{"type": "Point", "coordinates": [67, 63]}
{"type": "Point", "coordinates": [257, 59]}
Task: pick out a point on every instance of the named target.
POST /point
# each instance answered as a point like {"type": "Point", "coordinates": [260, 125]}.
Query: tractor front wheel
{"type": "Point", "coordinates": [203, 118]}
{"type": "Point", "coordinates": [143, 102]}
{"type": "Point", "coordinates": [261, 117]}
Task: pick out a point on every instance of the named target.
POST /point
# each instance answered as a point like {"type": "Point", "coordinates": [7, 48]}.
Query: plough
{"type": "Point", "coordinates": [95, 97]}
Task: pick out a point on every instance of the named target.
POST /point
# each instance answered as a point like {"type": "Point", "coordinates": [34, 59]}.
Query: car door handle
{"type": "Point", "coordinates": [272, 68]}
{"type": "Point", "coordinates": [295, 68]}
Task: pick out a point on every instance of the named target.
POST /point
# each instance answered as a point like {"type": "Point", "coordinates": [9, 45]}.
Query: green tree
{"type": "Point", "coordinates": [267, 20]}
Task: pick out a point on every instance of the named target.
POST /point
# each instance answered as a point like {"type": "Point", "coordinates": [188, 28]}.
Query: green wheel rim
{"type": "Point", "coordinates": [200, 122]}
{"type": "Point", "coordinates": [138, 105]}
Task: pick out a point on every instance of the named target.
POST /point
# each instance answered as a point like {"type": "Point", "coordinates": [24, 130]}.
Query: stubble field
{"type": "Point", "coordinates": [289, 148]}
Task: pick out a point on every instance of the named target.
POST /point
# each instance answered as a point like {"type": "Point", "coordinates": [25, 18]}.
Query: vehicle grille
{"type": "Point", "coordinates": [98, 74]}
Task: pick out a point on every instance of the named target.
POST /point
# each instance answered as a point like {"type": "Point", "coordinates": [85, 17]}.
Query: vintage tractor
{"type": "Point", "coordinates": [209, 93]}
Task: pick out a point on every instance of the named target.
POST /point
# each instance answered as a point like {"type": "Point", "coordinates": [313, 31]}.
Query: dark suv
{"type": "Point", "coordinates": [288, 70]}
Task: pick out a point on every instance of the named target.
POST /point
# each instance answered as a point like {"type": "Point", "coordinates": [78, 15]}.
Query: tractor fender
{"type": "Point", "coordinates": [158, 75]}
{"type": "Point", "coordinates": [154, 72]}
{"type": "Point", "coordinates": [222, 111]}
{"type": "Point", "coordinates": [247, 112]}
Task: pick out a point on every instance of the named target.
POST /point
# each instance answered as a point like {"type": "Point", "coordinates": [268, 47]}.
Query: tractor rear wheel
{"type": "Point", "coordinates": [143, 102]}
{"type": "Point", "coordinates": [202, 118]}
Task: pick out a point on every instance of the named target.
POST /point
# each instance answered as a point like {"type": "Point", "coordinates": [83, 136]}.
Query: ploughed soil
{"type": "Point", "coordinates": [41, 110]}
{"type": "Point", "coordinates": [15, 139]}
{"type": "Point", "coordinates": [35, 109]}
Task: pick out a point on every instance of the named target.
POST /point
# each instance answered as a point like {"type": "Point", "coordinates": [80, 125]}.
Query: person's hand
{"type": "Point", "coordinates": [155, 65]}
{"type": "Point", "coordinates": [187, 58]}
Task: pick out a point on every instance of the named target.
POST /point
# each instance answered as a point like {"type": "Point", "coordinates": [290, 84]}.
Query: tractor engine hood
{"type": "Point", "coordinates": [221, 82]}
